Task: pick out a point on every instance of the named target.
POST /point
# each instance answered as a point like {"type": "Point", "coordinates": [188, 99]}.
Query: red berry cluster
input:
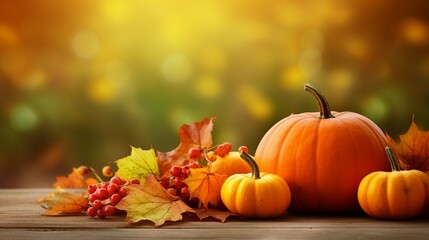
{"type": "Point", "coordinates": [104, 196]}
{"type": "Point", "coordinates": [174, 184]}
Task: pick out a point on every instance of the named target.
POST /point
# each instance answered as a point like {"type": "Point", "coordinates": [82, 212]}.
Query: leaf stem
{"type": "Point", "coordinates": [99, 179]}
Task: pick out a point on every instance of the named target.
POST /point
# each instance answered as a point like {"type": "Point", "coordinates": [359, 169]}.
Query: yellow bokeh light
{"type": "Point", "coordinates": [101, 91]}
{"type": "Point", "coordinates": [311, 62]}
{"type": "Point", "coordinates": [116, 11]}
{"type": "Point", "coordinates": [341, 79]}
{"type": "Point", "coordinates": [208, 86]}
{"type": "Point", "coordinates": [292, 78]}
{"type": "Point", "coordinates": [176, 68]}
{"type": "Point", "coordinates": [256, 104]}
{"type": "Point", "coordinates": [213, 60]}
{"type": "Point", "coordinates": [85, 44]}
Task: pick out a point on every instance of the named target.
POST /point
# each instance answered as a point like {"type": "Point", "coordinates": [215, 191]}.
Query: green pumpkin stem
{"type": "Point", "coordinates": [392, 159]}
{"type": "Point", "coordinates": [325, 110]}
{"type": "Point", "coordinates": [252, 163]}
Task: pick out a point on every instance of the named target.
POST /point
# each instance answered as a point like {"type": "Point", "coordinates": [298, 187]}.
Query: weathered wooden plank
{"type": "Point", "coordinates": [221, 233]}
{"type": "Point", "coordinates": [20, 218]}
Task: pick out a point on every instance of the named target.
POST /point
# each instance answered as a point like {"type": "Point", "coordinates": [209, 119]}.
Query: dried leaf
{"type": "Point", "coordinates": [197, 135]}
{"type": "Point", "coordinates": [64, 203]}
{"type": "Point", "coordinates": [139, 164]}
{"type": "Point", "coordinates": [221, 215]}
{"type": "Point", "coordinates": [205, 185]}
{"type": "Point", "coordinates": [150, 201]}
{"type": "Point", "coordinates": [73, 180]}
{"type": "Point", "coordinates": [412, 150]}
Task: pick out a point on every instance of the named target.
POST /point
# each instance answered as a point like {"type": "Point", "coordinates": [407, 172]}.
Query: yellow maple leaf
{"type": "Point", "coordinates": [205, 185]}
{"type": "Point", "coordinates": [150, 201]}
{"type": "Point", "coordinates": [139, 164]}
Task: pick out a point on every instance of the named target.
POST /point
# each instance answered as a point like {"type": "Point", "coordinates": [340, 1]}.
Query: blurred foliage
{"type": "Point", "coordinates": [82, 80]}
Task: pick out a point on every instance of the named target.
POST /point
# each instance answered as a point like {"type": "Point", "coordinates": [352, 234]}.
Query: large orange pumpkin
{"type": "Point", "coordinates": [323, 156]}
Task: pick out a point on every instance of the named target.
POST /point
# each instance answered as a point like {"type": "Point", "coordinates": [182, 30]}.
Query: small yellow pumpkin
{"type": "Point", "coordinates": [256, 194]}
{"type": "Point", "coordinates": [230, 164]}
{"type": "Point", "coordinates": [396, 194]}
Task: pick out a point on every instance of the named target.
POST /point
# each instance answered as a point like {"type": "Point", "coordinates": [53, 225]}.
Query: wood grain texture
{"type": "Point", "coordinates": [20, 218]}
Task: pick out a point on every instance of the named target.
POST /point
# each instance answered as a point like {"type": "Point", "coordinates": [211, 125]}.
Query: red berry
{"type": "Point", "coordinates": [112, 188]}
{"type": "Point", "coordinates": [185, 172]}
{"type": "Point", "coordinates": [117, 180]}
{"type": "Point", "coordinates": [109, 210]}
{"type": "Point", "coordinates": [122, 192]}
{"type": "Point", "coordinates": [176, 171]}
{"type": "Point", "coordinates": [97, 204]}
{"type": "Point", "coordinates": [104, 185]}
{"type": "Point", "coordinates": [134, 181]}
{"type": "Point", "coordinates": [194, 165]}
{"type": "Point", "coordinates": [115, 198]}
{"type": "Point", "coordinates": [184, 192]}
{"type": "Point", "coordinates": [101, 213]}
{"type": "Point", "coordinates": [82, 170]}
{"type": "Point", "coordinates": [194, 153]}
{"type": "Point", "coordinates": [91, 188]}
{"type": "Point", "coordinates": [107, 171]}
{"type": "Point", "coordinates": [178, 182]}
{"type": "Point", "coordinates": [93, 197]}
{"type": "Point", "coordinates": [102, 193]}
{"type": "Point", "coordinates": [223, 149]}
{"type": "Point", "coordinates": [243, 149]}
{"type": "Point", "coordinates": [92, 212]}
{"type": "Point", "coordinates": [165, 183]}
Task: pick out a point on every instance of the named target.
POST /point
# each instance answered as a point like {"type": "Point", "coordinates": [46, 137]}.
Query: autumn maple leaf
{"type": "Point", "coordinates": [150, 201]}
{"type": "Point", "coordinates": [412, 150]}
{"type": "Point", "coordinates": [64, 203]}
{"type": "Point", "coordinates": [205, 185]}
{"type": "Point", "coordinates": [221, 215]}
{"type": "Point", "coordinates": [139, 164]}
{"type": "Point", "coordinates": [198, 135]}
{"type": "Point", "coordinates": [74, 180]}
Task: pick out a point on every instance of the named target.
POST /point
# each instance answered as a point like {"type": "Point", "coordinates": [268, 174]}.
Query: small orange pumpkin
{"type": "Point", "coordinates": [396, 194]}
{"type": "Point", "coordinates": [323, 156]}
{"type": "Point", "coordinates": [255, 194]}
{"type": "Point", "coordinates": [230, 164]}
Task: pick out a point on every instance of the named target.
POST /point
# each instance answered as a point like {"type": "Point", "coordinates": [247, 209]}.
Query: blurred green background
{"type": "Point", "coordinates": [80, 80]}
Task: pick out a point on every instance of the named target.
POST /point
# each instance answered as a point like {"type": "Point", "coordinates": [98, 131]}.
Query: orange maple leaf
{"type": "Point", "coordinates": [412, 150]}
{"type": "Point", "coordinates": [150, 201]}
{"type": "Point", "coordinates": [73, 180]}
{"type": "Point", "coordinates": [205, 185]}
{"type": "Point", "coordinates": [221, 215]}
{"type": "Point", "coordinates": [64, 203]}
{"type": "Point", "coordinates": [197, 135]}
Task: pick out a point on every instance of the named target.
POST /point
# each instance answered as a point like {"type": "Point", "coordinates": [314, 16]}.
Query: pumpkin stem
{"type": "Point", "coordinates": [252, 163]}
{"type": "Point", "coordinates": [325, 110]}
{"type": "Point", "coordinates": [392, 159]}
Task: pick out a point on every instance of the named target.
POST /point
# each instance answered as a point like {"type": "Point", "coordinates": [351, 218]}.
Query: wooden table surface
{"type": "Point", "coordinates": [20, 218]}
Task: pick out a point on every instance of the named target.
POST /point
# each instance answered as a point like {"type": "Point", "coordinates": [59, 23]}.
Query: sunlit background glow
{"type": "Point", "coordinates": [80, 81]}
